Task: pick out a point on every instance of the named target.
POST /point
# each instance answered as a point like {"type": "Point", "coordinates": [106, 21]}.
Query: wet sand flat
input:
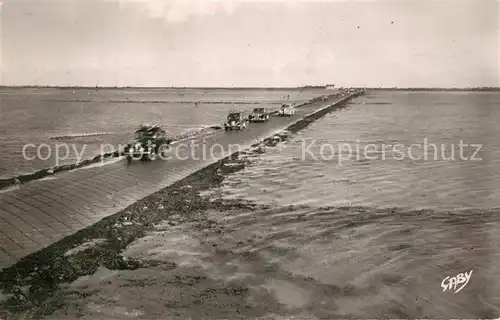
{"type": "Point", "coordinates": [79, 198]}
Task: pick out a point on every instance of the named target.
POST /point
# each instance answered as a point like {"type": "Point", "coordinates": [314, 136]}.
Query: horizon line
{"type": "Point", "coordinates": [247, 87]}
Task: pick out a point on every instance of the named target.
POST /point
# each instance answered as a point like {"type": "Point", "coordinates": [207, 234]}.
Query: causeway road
{"type": "Point", "coordinates": [39, 213]}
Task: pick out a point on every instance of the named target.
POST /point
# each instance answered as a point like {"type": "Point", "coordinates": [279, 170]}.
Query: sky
{"type": "Point", "coordinates": [250, 44]}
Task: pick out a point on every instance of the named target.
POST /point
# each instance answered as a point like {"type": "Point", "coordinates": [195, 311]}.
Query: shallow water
{"type": "Point", "coordinates": [33, 116]}
{"type": "Point", "coordinates": [367, 263]}
{"type": "Point", "coordinates": [292, 173]}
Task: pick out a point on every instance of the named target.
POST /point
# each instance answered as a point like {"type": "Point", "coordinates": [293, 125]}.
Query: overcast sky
{"type": "Point", "coordinates": [165, 43]}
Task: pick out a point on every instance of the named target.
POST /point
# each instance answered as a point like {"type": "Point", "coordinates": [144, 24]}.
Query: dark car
{"type": "Point", "coordinates": [149, 142]}
{"type": "Point", "coordinates": [259, 115]}
{"type": "Point", "coordinates": [236, 121]}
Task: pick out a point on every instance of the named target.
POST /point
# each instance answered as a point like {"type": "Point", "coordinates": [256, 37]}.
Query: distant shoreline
{"type": "Point", "coordinates": [156, 88]}
{"type": "Point", "coordinates": [251, 88]}
{"type": "Point", "coordinates": [437, 89]}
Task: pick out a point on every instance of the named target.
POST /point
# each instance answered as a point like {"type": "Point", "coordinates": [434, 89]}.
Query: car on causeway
{"type": "Point", "coordinates": [259, 115]}
{"type": "Point", "coordinates": [236, 121]}
{"type": "Point", "coordinates": [287, 110]}
{"type": "Point", "coordinates": [149, 142]}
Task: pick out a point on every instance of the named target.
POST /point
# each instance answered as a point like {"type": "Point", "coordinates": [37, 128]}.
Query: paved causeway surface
{"type": "Point", "coordinates": [42, 212]}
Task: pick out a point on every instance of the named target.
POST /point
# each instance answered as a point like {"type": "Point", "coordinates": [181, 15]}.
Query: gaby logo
{"type": "Point", "coordinates": [450, 283]}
